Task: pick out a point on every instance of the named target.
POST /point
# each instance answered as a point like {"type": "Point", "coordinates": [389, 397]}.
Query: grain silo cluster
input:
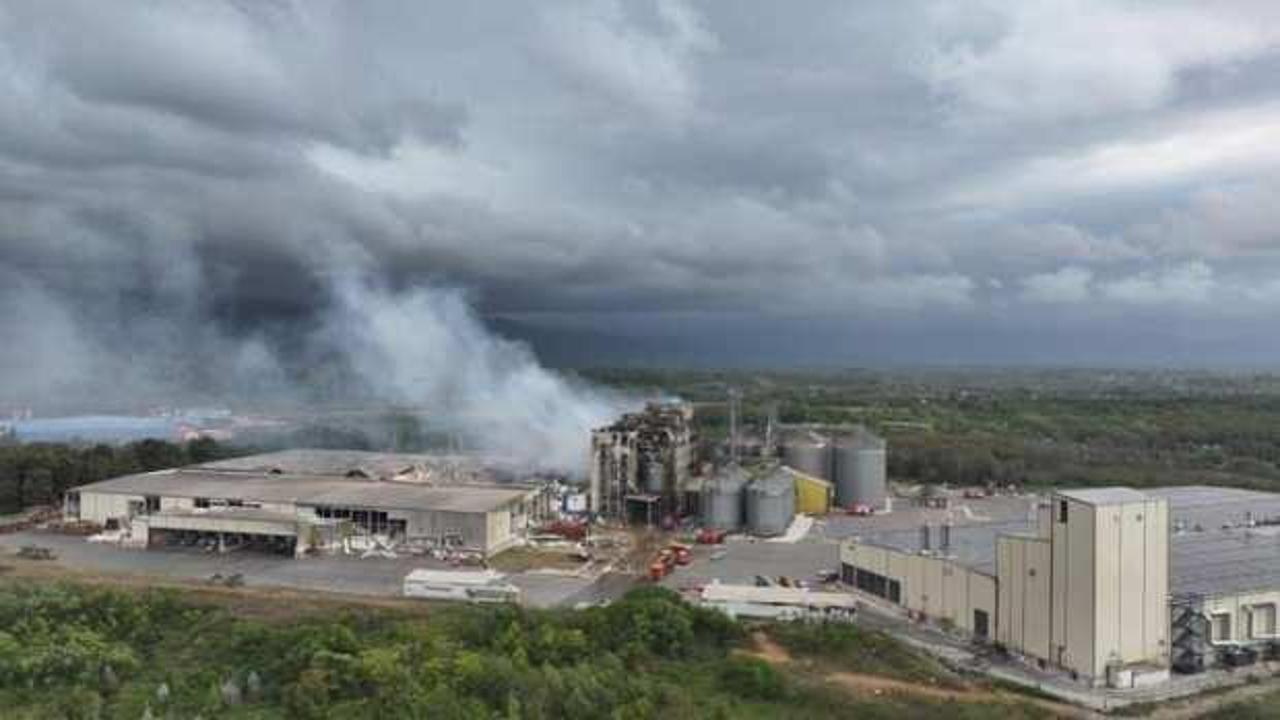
{"type": "Point", "coordinates": [853, 460]}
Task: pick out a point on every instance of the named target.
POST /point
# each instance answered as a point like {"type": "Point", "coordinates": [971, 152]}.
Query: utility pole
{"type": "Point", "coordinates": [735, 397]}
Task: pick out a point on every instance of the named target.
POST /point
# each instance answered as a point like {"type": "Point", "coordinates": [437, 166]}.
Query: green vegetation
{"type": "Point", "coordinates": [1264, 707]}
{"type": "Point", "coordinates": [71, 652]}
{"type": "Point", "coordinates": [1021, 427]}
{"type": "Point", "coordinates": [843, 646]}
{"type": "Point", "coordinates": [38, 473]}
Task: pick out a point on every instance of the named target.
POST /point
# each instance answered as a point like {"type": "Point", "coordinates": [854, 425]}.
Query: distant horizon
{"type": "Point", "coordinates": [304, 202]}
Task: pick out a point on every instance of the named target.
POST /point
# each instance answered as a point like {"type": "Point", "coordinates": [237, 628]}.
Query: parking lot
{"type": "Point", "coordinates": [741, 559]}
{"type": "Point", "coordinates": [380, 577]}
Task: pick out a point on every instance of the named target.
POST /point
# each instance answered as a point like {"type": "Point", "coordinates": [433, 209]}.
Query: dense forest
{"type": "Point", "coordinates": [70, 652]}
{"type": "Point", "coordinates": [38, 473]}
{"type": "Point", "coordinates": [1019, 427]}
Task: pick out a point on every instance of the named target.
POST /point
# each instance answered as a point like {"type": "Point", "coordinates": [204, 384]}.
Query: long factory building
{"type": "Point", "coordinates": [1112, 585]}
{"type": "Point", "coordinates": [300, 500]}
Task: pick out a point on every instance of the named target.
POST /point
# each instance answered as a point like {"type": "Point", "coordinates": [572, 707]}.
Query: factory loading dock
{"type": "Point", "coordinates": [234, 528]}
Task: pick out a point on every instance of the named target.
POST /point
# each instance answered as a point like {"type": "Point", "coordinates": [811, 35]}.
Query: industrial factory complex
{"type": "Point", "coordinates": [1107, 587]}
{"type": "Point", "coordinates": [1115, 586]}
{"type": "Point", "coordinates": [643, 469]}
{"type": "Point", "coordinates": [310, 500]}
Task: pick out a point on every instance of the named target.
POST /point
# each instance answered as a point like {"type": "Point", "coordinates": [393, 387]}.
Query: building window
{"type": "Point", "coordinates": [202, 502]}
{"type": "Point", "coordinates": [1262, 621]}
{"type": "Point", "coordinates": [1221, 627]}
{"type": "Point", "coordinates": [1062, 511]}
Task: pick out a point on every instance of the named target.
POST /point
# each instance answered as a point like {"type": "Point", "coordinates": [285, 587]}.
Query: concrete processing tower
{"type": "Point", "coordinates": [641, 465]}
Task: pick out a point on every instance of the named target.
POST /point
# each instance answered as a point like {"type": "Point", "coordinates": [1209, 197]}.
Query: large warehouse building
{"type": "Point", "coordinates": [300, 500]}
{"type": "Point", "coordinates": [1112, 585]}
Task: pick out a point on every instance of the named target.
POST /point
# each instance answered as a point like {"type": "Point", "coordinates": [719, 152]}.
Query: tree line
{"type": "Point", "coordinates": [69, 652]}
{"type": "Point", "coordinates": [39, 473]}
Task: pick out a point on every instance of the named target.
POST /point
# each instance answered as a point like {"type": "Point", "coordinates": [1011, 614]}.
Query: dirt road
{"type": "Point", "coordinates": [765, 648]}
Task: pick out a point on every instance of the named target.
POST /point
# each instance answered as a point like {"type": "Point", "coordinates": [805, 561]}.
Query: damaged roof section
{"type": "Point", "coordinates": [321, 490]}
{"type": "Point", "coordinates": [356, 464]}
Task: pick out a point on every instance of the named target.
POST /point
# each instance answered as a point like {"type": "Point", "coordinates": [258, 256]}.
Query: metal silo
{"type": "Point", "coordinates": [860, 470]}
{"type": "Point", "coordinates": [809, 453]}
{"type": "Point", "coordinates": [771, 504]}
{"type": "Point", "coordinates": [722, 500]}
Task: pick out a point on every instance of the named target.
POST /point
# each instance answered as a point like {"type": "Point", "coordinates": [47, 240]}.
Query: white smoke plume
{"type": "Point", "coordinates": [423, 349]}
{"type": "Point", "coordinates": [427, 348]}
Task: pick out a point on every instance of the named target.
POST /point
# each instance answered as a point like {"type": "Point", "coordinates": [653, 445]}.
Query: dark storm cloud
{"type": "Point", "coordinates": [194, 175]}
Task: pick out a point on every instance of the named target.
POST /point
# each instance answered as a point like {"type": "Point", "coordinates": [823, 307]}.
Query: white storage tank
{"type": "Point", "coordinates": [860, 470]}
{"type": "Point", "coordinates": [771, 504]}
{"type": "Point", "coordinates": [722, 500]}
{"type": "Point", "coordinates": [809, 453]}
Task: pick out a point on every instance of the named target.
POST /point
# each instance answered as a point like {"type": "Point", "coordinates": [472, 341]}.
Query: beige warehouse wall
{"type": "Point", "coordinates": [982, 596]}
{"type": "Point", "coordinates": [499, 529]}
{"type": "Point", "coordinates": [1239, 607]}
{"type": "Point", "coordinates": [937, 587]}
{"type": "Point", "coordinates": [1074, 558]}
{"type": "Point", "coordinates": [1156, 633]}
{"type": "Point", "coordinates": [1023, 569]}
{"type": "Point", "coordinates": [101, 507]}
{"type": "Point", "coordinates": [1131, 592]}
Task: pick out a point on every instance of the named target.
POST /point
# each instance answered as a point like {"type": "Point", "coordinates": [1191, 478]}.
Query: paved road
{"type": "Point", "coordinates": [332, 573]}
{"type": "Point", "coordinates": [743, 559]}
{"type": "Point", "coordinates": [608, 588]}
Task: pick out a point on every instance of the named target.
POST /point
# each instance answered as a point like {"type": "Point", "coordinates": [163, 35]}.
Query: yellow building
{"type": "Point", "coordinates": [813, 495]}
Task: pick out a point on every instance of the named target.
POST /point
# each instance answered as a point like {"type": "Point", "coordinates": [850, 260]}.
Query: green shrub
{"type": "Point", "coordinates": [752, 678]}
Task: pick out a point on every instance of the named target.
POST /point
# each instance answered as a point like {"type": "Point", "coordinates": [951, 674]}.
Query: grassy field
{"type": "Point", "coordinates": [1264, 707]}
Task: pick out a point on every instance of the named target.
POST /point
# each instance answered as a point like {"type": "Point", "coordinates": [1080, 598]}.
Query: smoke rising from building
{"type": "Point", "coordinates": [423, 348]}
{"type": "Point", "coordinates": [428, 348]}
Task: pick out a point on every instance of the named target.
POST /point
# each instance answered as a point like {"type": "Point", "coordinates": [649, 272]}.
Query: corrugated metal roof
{"type": "Point", "coordinates": [1214, 551]}
{"type": "Point", "coordinates": [311, 490]}
{"type": "Point", "coordinates": [1223, 557]}
{"type": "Point", "coordinates": [1105, 496]}
{"type": "Point", "coordinates": [439, 469]}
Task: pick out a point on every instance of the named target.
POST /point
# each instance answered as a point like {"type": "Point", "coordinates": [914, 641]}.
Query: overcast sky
{"type": "Point", "coordinates": [659, 181]}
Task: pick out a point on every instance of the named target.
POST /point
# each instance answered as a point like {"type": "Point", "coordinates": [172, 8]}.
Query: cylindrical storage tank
{"type": "Point", "coordinates": [810, 454]}
{"type": "Point", "coordinates": [860, 471]}
{"type": "Point", "coordinates": [722, 506]}
{"type": "Point", "coordinates": [771, 504]}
